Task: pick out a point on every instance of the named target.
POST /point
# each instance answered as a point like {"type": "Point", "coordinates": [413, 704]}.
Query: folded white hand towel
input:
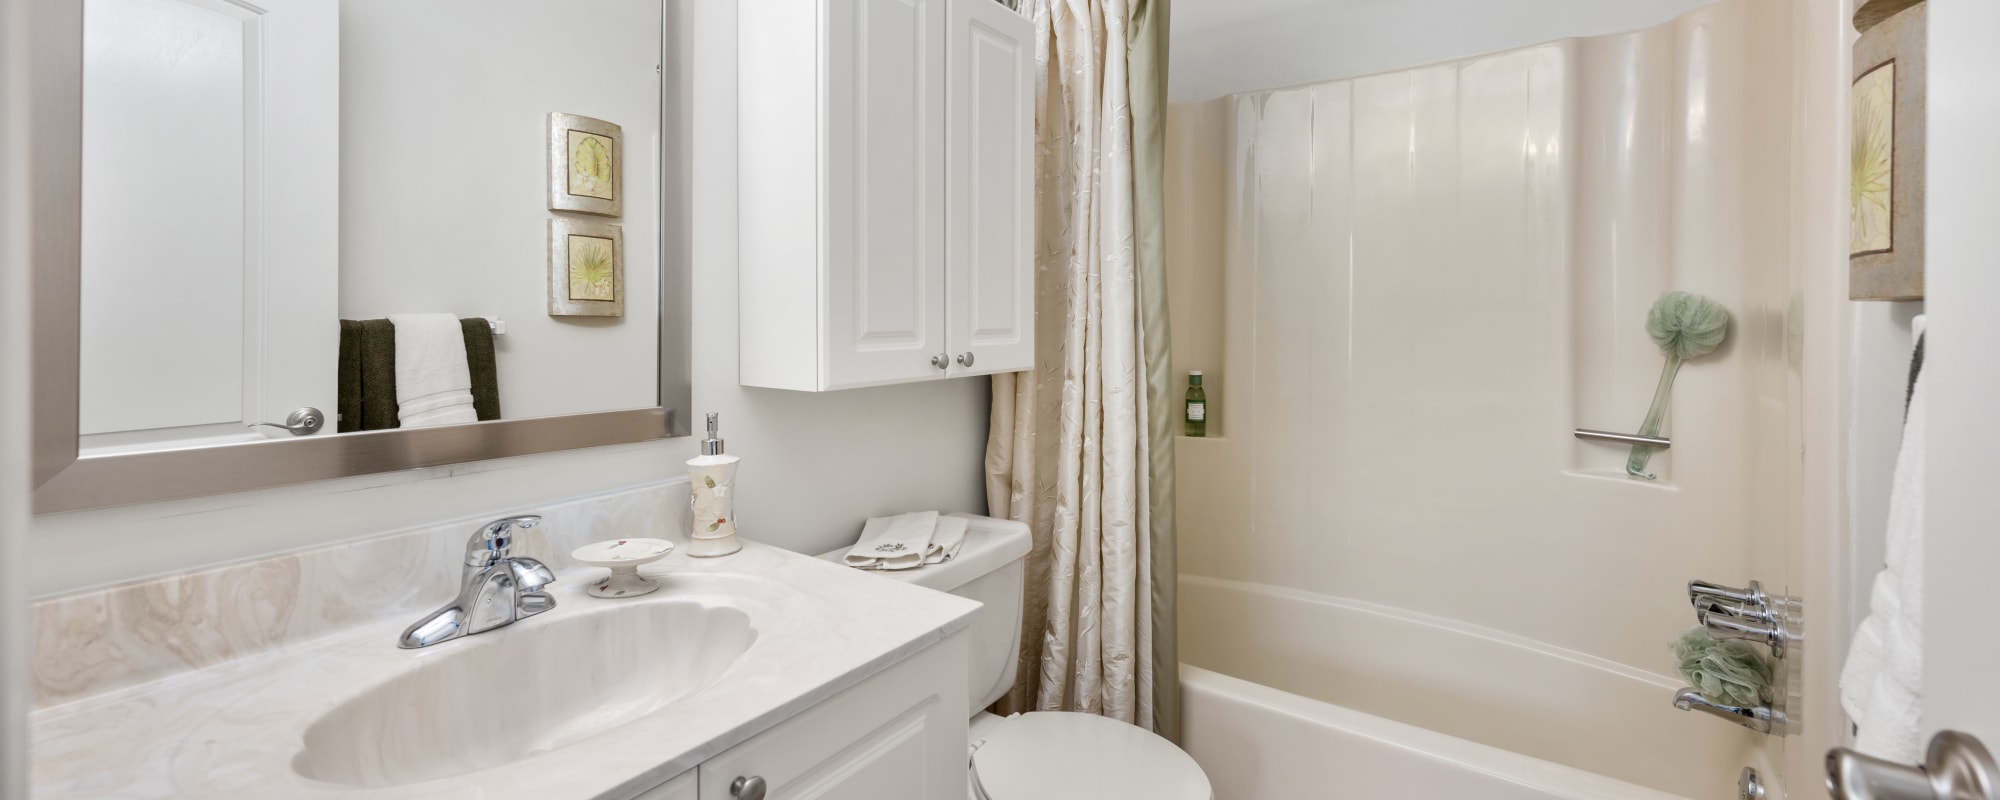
{"type": "Point", "coordinates": [946, 541]}
{"type": "Point", "coordinates": [433, 383]}
{"type": "Point", "coordinates": [1881, 685]}
{"type": "Point", "coordinates": [898, 542]}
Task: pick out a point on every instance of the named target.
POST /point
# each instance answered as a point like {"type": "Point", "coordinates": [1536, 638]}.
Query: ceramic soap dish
{"type": "Point", "coordinates": [623, 557]}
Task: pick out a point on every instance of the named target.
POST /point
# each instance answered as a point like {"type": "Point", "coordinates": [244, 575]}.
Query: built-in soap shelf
{"type": "Point", "coordinates": [1748, 614]}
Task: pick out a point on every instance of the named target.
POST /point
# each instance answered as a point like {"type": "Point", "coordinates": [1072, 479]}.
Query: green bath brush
{"type": "Point", "coordinates": [1684, 326]}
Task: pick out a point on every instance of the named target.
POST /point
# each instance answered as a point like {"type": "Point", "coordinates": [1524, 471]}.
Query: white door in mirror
{"type": "Point", "coordinates": [210, 217]}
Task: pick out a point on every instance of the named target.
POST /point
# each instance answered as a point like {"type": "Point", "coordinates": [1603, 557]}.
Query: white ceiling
{"type": "Point", "coordinates": [1225, 46]}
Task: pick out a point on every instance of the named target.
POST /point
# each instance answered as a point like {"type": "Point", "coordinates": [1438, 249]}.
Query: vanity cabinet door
{"type": "Point", "coordinates": [682, 787]}
{"type": "Point", "coordinates": [901, 735]}
{"type": "Point", "coordinates": [989, 147]}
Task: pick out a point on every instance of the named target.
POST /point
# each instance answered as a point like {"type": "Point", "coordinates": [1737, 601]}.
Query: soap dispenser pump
{"type": "Point", "coordinates": [711, 481]}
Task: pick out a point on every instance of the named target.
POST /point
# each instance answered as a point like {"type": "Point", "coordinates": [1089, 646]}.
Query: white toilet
{"type": "Point", "coordinates": [1040, 755]}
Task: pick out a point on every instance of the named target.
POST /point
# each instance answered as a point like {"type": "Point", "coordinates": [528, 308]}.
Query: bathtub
{"type": "Point", "coordinates": [1291, 694]}
{"type": "Point", "coordinates": [1257, 742]}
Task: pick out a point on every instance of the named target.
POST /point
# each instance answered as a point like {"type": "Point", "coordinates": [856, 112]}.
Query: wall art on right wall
{"type": "Point", "coordinates": [1885, 237]}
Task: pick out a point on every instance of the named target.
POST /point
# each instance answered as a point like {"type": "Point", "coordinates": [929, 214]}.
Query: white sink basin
{"type": "Point", "coordinates": [540, 684]}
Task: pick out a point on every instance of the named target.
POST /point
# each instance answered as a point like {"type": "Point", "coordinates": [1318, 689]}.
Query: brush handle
{"type": "Point", "coordinates": [1636, 464]}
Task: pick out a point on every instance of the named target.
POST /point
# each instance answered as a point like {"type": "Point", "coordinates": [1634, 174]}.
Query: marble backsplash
{"type": "Point", "coordinates": [109, 639]}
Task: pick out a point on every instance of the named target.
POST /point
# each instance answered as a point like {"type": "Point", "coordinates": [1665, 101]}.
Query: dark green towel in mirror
{"type": "Point", "coordinates": [480, 360]}
{"type": "Point", "coordinates": [367, 378]}
{"type": "Point", "coordinates": [348, 408]}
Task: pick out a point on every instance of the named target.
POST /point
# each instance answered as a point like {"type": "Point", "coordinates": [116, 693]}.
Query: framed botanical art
{"type": "Point", "coordinates": [586, 269]}
{"type": "Point", "coordinates": [586, 159]}
{"type": "Point", "coordinates": [1885, 222]}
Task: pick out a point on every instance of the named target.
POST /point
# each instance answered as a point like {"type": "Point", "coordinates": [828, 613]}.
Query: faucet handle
{"type": "Point", "coordinates": [491, 542]}
{"type": "Point", "coordinates": [1752, 595]}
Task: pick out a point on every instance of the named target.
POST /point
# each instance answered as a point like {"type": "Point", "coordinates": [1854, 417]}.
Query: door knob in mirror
{"type": "Point", "coordinates": [304, 421]}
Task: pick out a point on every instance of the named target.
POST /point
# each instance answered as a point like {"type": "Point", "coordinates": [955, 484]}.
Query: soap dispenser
{"type": "Point", "coordinates": [711, 482]}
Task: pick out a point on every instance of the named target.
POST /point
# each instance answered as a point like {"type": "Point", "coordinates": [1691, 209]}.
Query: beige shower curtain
{"type": "Point", "coordinates": [1072, 450]}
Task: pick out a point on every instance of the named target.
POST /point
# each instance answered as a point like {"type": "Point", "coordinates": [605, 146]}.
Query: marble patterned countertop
{"type": "Point", "coordinates": [232, 729]}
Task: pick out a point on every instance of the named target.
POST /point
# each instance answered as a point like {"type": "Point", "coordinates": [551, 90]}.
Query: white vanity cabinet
{"type": "Point", "coordinates": [682, 787]}
{"type": "Point", "coordinates": [884, 187]}
{"type": "Point", "coordinates": [900, 735]}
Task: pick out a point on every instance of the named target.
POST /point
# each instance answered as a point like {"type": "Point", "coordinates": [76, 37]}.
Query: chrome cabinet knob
{"type": "Point", "coordinates": [751, 788]}
{"type": "Point", "coordinates": [304, 421]}
{"type": "Point", "coordinates": [965, 359]}
{"type": "Point", "coordinates": [941, 360]}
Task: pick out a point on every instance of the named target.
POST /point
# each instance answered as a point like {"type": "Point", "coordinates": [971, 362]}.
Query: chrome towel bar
{"type": "Point", "coordinates": [1624, 438]}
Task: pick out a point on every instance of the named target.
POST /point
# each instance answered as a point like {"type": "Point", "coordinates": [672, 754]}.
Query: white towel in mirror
{"type": "Point", "coordinates": [433, 383]}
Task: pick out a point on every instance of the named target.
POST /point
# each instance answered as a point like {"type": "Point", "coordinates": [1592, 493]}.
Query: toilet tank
{"type": "Point", "coordinates": [990, 568]}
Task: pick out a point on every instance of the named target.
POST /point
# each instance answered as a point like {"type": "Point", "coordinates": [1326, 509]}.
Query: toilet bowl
{"type": "Point", "coordinates": [1043, 755]}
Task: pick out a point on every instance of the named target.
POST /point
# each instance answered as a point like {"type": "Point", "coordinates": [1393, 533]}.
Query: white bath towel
{"type": "Point", "coordinates": [433, 383]}
{"type": "Point", "coordinates": [1881, 685]}
{"type": "Point", "coordinates": [946, 540]}
{"type": "Point", "coordinates": [898, 542]}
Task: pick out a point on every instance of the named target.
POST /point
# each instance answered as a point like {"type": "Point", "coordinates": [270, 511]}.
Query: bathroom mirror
{"type": "Point", "coordinates": [305, 239]}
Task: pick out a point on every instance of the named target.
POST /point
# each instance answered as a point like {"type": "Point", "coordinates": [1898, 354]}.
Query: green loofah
{"type": "Point", "coordinates": [1725, 671]}
{"type": "Point", "coordinates": [1684, 326]}
{"type": "Point", "coordinates": [1687, 325]}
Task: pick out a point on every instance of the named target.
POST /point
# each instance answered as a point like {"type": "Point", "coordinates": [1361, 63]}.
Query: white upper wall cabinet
{"type": "Point", "coordinates": [990, 184]}
{"type": "Point", "coordinates": [884, 188]}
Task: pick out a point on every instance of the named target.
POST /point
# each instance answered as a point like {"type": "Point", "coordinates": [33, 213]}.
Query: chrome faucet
{"type": "Point", "coordinates": [495, 590]}
{"type": "Point", "coordinates": [1762, 719]}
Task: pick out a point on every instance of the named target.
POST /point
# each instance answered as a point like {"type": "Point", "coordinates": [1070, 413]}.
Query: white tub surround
{"type": "Point", "coordinates": [1427, 280]}
{"type": "Point", "coordinates": [806, 631]}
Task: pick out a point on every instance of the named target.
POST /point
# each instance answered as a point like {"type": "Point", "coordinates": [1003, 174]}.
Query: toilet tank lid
{"type": "Point", "coordinates": [1058, 755]}
{"type": "Point", "coordinates": [990, 544]}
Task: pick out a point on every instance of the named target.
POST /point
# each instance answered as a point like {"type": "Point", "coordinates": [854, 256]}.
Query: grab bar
{"type": "Point", "coordinates": [1624, 438]}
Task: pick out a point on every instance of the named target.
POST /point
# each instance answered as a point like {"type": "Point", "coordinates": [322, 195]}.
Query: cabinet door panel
{"type": "Point", "coordinates": [682, 787]}
{"type": "Point", "coordinates": [990, 233]}
{"type": "Point", "coordinates": [900, 735]}
{"type": "Point", "coordinates": [884, 184]}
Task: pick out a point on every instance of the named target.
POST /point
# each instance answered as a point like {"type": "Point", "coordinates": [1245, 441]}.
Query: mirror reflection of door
{"type": "Point", "coordinates": [210, 218]}
{"type": "Point", "coordinates": [269, 186]}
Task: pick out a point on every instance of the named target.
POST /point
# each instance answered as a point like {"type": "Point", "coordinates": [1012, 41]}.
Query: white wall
{"type": "Point", "coordinates": [443, 180]}
{"type": "Point", "coordinates": [16, 46]}
{"type": "Point", "coordinates": [1879, 363]}
{"type": "Point", "coordinates": [815, 465]}
{"type": "Point", "coordinates": [1961, 550]}
{"type": "Point", "coordinates": [1226, 46]}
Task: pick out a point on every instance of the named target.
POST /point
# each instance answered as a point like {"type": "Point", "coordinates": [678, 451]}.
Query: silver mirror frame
{"type": "Point", "coordinates": [66, 482]}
